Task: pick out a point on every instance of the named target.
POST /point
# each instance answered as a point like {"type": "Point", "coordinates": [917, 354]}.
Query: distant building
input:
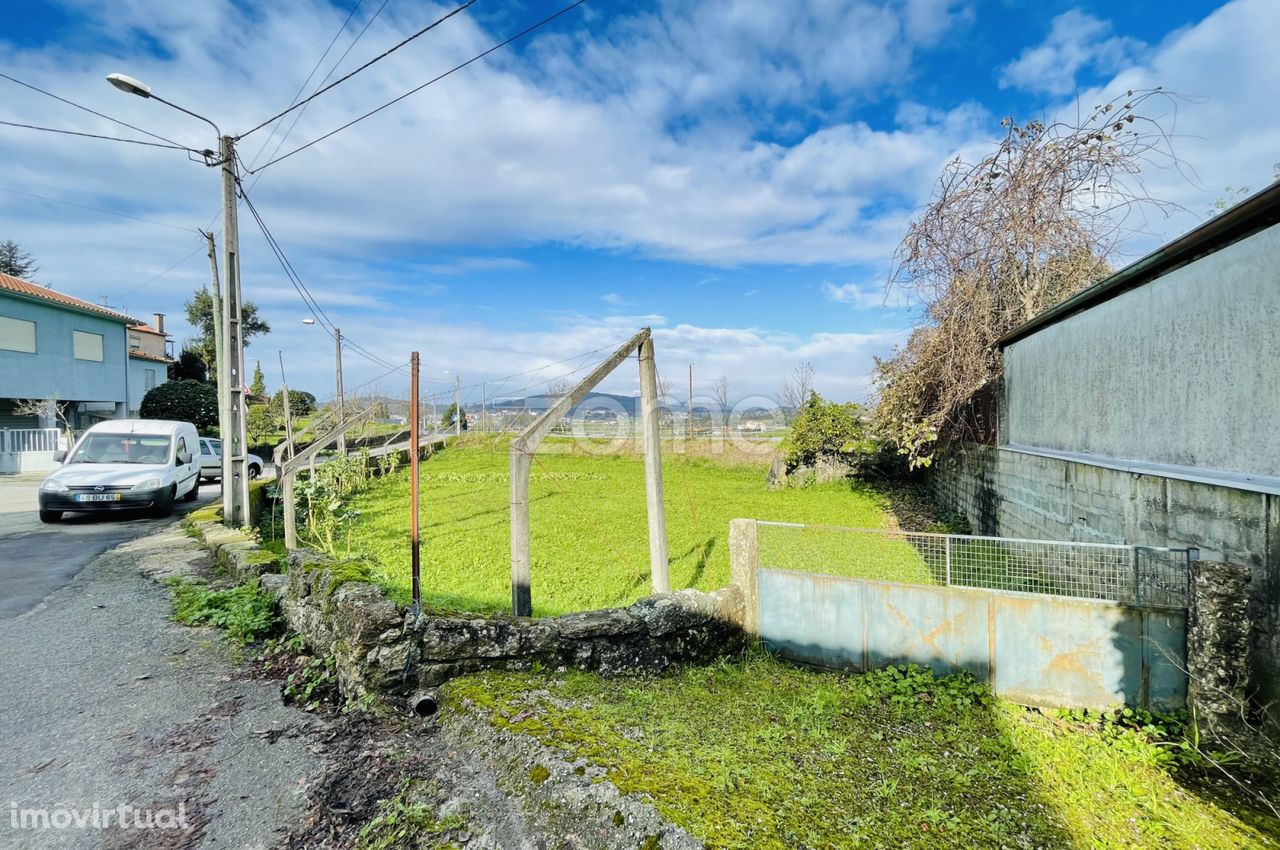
{"type": "Point", "coordinates": [96, 361]}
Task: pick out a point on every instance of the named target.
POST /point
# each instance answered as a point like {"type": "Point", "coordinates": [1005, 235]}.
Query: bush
{"type": "Point", "coordinates": [185, 401]}
{"type": "Point", "coordinates": [825, 429]}
{"type": "Point", "coordinates": [301, 402]}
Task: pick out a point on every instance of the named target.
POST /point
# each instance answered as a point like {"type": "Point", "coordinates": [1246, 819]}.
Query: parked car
{"type": "Point", "coordinates": [211, 461]}
{"type": "Point", "coordinates": [125, 464]}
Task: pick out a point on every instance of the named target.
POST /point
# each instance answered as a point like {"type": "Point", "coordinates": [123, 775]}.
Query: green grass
{"type": "Point", "coordinates": [760, 754]}
{"type": "Point", "coordinates": [246, 611]}
{"type": "Point", "coordinates": [589, 528]}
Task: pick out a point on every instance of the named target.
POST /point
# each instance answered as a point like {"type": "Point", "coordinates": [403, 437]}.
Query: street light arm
{"type": "Point", "coordinates": [188, 112]}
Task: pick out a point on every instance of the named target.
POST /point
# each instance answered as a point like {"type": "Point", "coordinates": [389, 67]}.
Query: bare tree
{"type": "Point", "coordinates": [720, 390]}
{"type": "Point", "coordinates": [560, 387]}
{"type": "Point", "coordinates": [43, 407]}
{"type": "Point", "coordinates": [795, 389]}
{"type": "Point", "coordinates": [1005, 238]}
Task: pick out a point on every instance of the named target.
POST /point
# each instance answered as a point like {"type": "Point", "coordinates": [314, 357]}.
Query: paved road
{"type": "Point", "coordinates": [37, 559]}
{"type": "Point", "coordinates": [109, 703]}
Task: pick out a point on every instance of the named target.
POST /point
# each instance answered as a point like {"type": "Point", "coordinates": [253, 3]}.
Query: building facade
{"type": "Point", "coordinates": [84, 362]}
{"type": "Point", "coordinates": [1144, 411]}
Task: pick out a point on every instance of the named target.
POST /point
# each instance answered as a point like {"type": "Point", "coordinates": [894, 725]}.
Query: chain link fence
{"type": "Point", "coordinates": [1135, 575]}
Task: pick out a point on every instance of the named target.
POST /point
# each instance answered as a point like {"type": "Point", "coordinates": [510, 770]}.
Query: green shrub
{"type": "Point", "coordinates": [826, 429]}
{"type": "Point", "coordinates": [184, 401]}
{"type": "Point", "coordinates": [246, 611]}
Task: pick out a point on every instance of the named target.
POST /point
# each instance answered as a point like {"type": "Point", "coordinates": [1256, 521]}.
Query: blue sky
{"type": "Point", "coordinates": [735, 174]}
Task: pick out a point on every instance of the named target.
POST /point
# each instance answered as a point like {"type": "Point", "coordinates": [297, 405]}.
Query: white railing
{"type": "Point", "coordinates": [15, 440]}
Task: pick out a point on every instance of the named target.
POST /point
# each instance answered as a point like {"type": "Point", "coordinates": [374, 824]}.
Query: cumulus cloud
{"type": "Point", "coordinates": [1076, 41]}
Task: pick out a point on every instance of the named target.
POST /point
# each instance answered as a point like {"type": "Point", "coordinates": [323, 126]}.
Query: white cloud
{"type": "Point", "coordinates": [869, 296]}
{"type": "Point", "coordinates": [1076, 40]}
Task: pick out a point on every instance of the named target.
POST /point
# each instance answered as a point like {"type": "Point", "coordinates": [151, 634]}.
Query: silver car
{"type": "Point", "coordinates": [211, 461]}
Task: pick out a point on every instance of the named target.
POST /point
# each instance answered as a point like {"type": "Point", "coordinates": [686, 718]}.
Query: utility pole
{"type": "Point", "coordinates": [235, 478]}
{"type": "Point", "coordinates": [288, 412]}
{"type": "Point", "coordinates": [337, 351]}
{"type": "Point", "coordinates": [457, 405]}
{"type": "Point", "coordinates": [219, 354]}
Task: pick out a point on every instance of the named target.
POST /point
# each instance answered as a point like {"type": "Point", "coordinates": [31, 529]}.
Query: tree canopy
{"type": "Point", "coordinates": [15, 261]}
{"type": "Point", "coordinates": [200, 315]}
{"type": "Point", "coordinates": [184, 401]}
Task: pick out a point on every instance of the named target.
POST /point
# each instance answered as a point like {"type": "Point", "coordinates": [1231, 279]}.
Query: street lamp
{"type": "Point", "coordinates": [228, 343]}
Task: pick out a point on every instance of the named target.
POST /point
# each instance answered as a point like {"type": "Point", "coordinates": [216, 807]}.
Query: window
{"type": "Point", "coordinates": [122, 448]}
{"type": "Point", "coordinates": [87, 346]}
{"type": "Point", "coordinates": [17, 335]}
{"type": "Point", "coordinates": [149, 378]}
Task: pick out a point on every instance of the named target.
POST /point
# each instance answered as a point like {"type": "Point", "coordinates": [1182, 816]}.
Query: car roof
{"type": "Point", "coordinates": [140, 426]}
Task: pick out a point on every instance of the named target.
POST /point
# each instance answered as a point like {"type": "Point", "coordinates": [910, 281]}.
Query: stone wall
{"type": "Point", "coordinates": [1015, 494]}
{"type": "Point", "coordinates": [378, 647]}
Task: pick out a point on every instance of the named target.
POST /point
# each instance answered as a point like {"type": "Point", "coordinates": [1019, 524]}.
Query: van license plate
{"type": "Point", "coordinates": [98, 497]}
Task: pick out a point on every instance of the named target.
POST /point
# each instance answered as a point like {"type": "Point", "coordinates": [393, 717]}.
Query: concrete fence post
{"type": "Point", "coordinates": [1218, 649]}
{"type": "Point", "coordinates": [744, 560]}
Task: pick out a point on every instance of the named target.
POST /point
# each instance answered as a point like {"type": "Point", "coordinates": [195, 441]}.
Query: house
{"type": "Point", "coordinates": [94, 362]}
{"type": "Point", "coordinates": [1144, 411]}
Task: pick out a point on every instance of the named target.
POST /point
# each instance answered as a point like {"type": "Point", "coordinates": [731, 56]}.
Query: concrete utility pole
{"type": "Point", "coordinates": [337, 353]}
{"type": "Point", "coordinates": [215, 298]}
{"type": "Point", "coordinates": [235, 473]}
{"type": "Point", "coordinates": [653, 469]}
{"type": "Point", "coordinates": [288, 412]}
{"type": "Point", "coordinates": [457, 405]}
{"type": "Point", "coordinates": [231, 421]}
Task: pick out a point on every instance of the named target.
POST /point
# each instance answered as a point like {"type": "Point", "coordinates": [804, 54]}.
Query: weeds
{"type": "Point", "coordinates": [246, 611]}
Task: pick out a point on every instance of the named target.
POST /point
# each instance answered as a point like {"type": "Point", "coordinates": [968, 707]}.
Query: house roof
{"type": "Point", "coordinates": [147, 329]}
{"type": "Point", "coordinates": [27, 289]}
{"type": "Point", "coordinates": [143, 355]}
{"type": "Point", "coordinates": [1257, 212]}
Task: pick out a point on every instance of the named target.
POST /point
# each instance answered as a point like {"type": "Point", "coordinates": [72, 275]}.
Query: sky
{"type": "Point", "coordinates": [733, 173]}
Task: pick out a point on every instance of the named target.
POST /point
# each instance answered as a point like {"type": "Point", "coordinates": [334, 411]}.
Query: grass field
{"type": "Point", "coordinates": [759, 754]}
{"type": "Point", "coordinates": [589, 531]}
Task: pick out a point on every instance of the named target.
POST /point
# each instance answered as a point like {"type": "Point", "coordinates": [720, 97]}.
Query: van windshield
{"type": "Point", "coordinates": [123, 448]}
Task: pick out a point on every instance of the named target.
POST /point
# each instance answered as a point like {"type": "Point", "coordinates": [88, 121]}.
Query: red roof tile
{"type": "Point", "coordinates": [146, 355]}
{"type": "Point", "coordinates": [18, 286]}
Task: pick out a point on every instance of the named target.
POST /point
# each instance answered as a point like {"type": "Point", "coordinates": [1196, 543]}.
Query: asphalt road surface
{"type": "Point", "coordinates": [38, 559]}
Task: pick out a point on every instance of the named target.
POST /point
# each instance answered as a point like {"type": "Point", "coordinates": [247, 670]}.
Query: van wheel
{"type": "Point", "coordinates": [193, 493]}
{"type": "Point", "coordinates": [254, 471]}
{"type": "Point", "coordinates": [50, 516]}
{"type": "Point", "coordinates": [164, 505]}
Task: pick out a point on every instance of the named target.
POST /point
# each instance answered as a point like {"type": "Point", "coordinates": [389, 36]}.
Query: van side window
{"type": "Point", "coordinates": [182, 447]}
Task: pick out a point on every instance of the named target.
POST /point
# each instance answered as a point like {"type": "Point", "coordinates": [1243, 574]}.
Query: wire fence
{"type": "Point", "coordinates": [1135, 575]}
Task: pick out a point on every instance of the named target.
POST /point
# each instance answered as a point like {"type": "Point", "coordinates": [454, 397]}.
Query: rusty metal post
{"type": "Point", "coordinates": [414, 451]}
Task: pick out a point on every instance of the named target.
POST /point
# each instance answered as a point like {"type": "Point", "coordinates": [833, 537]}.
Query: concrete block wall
{"type": "Point", "coordinates": [1015, 494]}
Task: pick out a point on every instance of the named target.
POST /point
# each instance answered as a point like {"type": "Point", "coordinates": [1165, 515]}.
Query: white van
{"type": "Point", "coordinates": [125, 464]}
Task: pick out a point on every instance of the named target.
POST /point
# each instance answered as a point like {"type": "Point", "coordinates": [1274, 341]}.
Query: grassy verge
{"type": "Point", "coordinates": [759, 754]}
{"type": "Point", "coordinates": [245, 611]}
{"type": "Point", "coordinates": [589, 531]}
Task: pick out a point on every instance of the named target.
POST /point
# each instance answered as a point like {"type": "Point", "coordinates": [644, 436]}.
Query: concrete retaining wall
{"type": "Point", "coordinates": [1014, 494]}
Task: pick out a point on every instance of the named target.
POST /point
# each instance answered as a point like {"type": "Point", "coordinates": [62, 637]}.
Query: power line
{"type": "Point", "coordinates": [336, 65]}
{"type": "Point", "coordinates": [154, 278]}
{"type": "Point", "coordinates": [313, 306]}
{"type": "Point", "coordinates": [95, 112]}
{"type": "Point", "coordinates": [433, 80]}
{"type": "Point", "coordinates": [97, 136]}
{"type": "Point", "coordinates": [93, 209]}
{"type": "Point", "coordinates": [375, 59]}
{"type": "Point", "coordinates": [294, 100]}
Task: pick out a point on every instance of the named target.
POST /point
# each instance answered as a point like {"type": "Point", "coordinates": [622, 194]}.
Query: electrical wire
{"type": "Point", "coordinates": [332, 71]}
{"type": "Point", "coordinates": [375, 59]}
{"type": "Point", "coordinates": [433, 80]}
{"type": "Point", "coordinates": [97, 136]}
{"type": "Point", "coordinates": [93, 209]}
{"type": "Point", "coordinates": [302, 88]}
{"type": "Point", "coordinates": [94, 112]}
{"type": "Point", "coordinates": [313, 306]}
{"type": "Point", "coordinates": [199, 249]}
